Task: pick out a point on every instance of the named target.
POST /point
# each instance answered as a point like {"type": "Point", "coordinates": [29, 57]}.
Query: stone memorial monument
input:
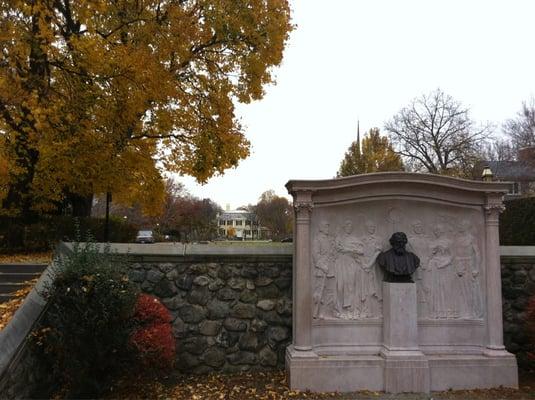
{"type": "Point", "coordinates": [397, 285]}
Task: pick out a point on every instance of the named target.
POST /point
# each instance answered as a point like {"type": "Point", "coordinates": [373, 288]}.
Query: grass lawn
{"type": "Point", "coordinates": [273, 386]}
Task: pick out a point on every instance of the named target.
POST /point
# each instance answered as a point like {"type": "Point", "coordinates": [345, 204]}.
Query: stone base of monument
{"type": "Point", "coordinates": [328, 373]}
{"type": "Point", "coordinates": [406, 367]}
{"type": "Point", "coordinates": [400, 366]}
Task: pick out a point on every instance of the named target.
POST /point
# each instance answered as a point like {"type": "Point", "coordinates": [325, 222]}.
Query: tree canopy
{"type": "Point", "coordinates": [435, 134]}
{"type": "Point", "coordinates": [521, 129]}
{"type": "Point", "coordinates": [103, 95]}
{"type": "Point", "coordinates": [275, 213]}
{"type": "Point", "coordinates": [374, 154]}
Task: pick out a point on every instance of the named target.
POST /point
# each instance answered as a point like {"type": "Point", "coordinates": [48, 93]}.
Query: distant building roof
{"type": "Point", "coordinates": [512, 170]}
{"type": "Point", "coordinates": [236, 214]}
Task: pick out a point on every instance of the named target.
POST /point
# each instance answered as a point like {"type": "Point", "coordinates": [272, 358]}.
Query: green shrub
{"type": "Point", "coordinates": [83, 337]}
{"type": "Point", "coordinates": [517, 223]}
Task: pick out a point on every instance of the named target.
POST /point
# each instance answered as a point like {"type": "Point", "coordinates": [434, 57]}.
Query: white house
{"type": "Point", "coordinates": [241, 225]}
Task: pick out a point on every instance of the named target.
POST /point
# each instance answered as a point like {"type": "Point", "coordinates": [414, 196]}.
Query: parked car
{"type": "Point", "coordinates": [287, 240]}
{"type": "Point", "coordinates": [145, 237]}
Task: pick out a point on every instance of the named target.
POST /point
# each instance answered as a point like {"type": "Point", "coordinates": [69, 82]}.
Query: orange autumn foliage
{"type": "Point", "coordinates": [102, 95]}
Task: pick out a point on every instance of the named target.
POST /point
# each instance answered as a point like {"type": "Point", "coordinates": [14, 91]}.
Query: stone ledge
{"type": "Point", "coordinates": [194, 251]}
{"type": "Point", "coordinates": [13, 336]}
{"type": "Point", "coordinates": [517, 254]}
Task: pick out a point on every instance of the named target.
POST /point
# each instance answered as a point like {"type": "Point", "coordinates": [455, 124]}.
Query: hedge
{"type": "Point", "coordinates": [517, 222]}
{"type": "Point", "coordinates": [43, 234]}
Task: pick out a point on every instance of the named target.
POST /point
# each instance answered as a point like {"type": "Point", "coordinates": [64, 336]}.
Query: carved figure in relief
{"type": "Point", "coordinates": [418, 242]}
{"type": "Point", "coordinates": [322, 257]}
{"type": "Point", "coordinates": [349, 252]}
{"type": "Point", "coordinates": [467, 259]}
{"type": "Point", "coordinates": [394, 217]}
{"type": "Point", "coordinates": [440, 265]}
{"type": "Point", "coordinates": [370, 287]}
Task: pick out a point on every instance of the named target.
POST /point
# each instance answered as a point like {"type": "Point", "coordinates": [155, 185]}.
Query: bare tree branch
{"type": "Point", "coordinates": [436, 134]}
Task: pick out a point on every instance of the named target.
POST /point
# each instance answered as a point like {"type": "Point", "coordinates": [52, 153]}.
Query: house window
{"type": "Point", "coordinates": [229, 222]}
{"type": "Point", "coordinates": [221, 222]}
{"type": "Point", "coordinates": [222, 232]}
{"type": "Point", "coordinates": [515, 189]}
{"type": "Point", "coordinates": [239, 222]}
{"type": "Point", "coordinates": [247, 232]}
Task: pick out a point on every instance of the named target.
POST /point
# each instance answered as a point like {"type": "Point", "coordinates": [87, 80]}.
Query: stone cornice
{"type": "Point", "coordinates": [295, 186]}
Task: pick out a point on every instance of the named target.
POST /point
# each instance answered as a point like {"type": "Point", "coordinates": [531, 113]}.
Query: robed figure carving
{"type": "Point", "coordinates": [397, 263]}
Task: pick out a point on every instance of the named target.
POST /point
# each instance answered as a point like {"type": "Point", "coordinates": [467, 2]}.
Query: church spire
{"type": "Point", "coordinates": [358, 137]}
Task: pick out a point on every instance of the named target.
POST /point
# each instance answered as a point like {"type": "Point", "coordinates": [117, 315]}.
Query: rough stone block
{"type": "Point", "coordinates": [214, 357]}
{"type": "Point", "coordinates": [227, 294]}
{"type": "Point", "coordinates": [234, 324]}
{"type": "Point", "coordinates": [210, 328]}
{"type": "Point", "coordinates": [218, 309]}
{"type": "Point", "coordinates": [266, 305]}
{"type": "Point", "coordinates": [241, 310]}
{"type": "Point", "coordinates": [192, 313]}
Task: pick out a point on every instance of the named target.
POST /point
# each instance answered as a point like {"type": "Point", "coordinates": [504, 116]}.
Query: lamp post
{"type": "Point", "coordinates": [487, 175]}
{"type": "Point", "coordinates": [107, 221]}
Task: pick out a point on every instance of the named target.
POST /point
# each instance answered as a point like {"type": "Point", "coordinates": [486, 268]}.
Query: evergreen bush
{"type": "Point", "coordinates": [83, 337]}
{"type": "Point", "coordinates": [517, 223]}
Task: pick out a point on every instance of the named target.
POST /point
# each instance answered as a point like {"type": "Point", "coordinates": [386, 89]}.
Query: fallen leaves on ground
{"type": "Point", "coordinates": [8, 309]}
{"type": "Point", "coordinates": [37, 258]}
{"type": "Point", "coordinates": [273, 386]}
{"type": "Point", "coordinates": [257, 385]}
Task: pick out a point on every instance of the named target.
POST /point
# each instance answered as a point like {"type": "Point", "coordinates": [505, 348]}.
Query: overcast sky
{"type": "Point", "coordinates": [350, 60]}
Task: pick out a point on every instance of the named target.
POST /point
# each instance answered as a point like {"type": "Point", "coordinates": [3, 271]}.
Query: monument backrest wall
{"type": "Point", "coordinates": [438, 234]}
{"type": "Point", "coordinates": [348, 221]}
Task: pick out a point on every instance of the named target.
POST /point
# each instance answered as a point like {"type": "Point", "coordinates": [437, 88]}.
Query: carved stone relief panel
{"type": "Point", "coordinates": [346, 240]}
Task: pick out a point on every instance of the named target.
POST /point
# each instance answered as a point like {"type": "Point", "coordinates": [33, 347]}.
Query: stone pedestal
{"type": "Point", "coordinates": [406, 367]}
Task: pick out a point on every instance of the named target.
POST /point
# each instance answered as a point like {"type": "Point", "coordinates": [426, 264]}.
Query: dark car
{"type": "Point", "coordinates": [287, 240]}
{"type": "Point", "coordinates": [145, 237]}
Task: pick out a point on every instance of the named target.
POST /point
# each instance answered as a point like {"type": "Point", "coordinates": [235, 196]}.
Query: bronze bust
{"type": "Point", "coordinates": [397, 263]}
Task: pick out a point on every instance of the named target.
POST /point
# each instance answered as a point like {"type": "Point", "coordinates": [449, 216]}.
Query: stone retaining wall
{"type": "Point", "coordinates": [20, 377]}
{"type": "Point", "coordinates": [231, 315]}
{"type": "Point", "coordinates": [518, 285]}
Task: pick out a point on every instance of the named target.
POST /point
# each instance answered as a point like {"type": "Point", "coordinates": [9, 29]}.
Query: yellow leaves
{"type": "Point", "coordinates": [374, 154]}
{"type": "Point", "coordinates": [270, 385]}
{"type": "Point", "coordinates": [9, 308]}
{"type": "Point", "coordinates": [130, 84]}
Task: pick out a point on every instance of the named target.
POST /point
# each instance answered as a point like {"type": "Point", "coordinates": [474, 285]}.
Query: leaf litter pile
{"type": "Point", "coordinates": [38, 258]}
{"type": "Point", "coordinates": [273, 386]}
{"type": "Point", "coordinates": [8, 309]}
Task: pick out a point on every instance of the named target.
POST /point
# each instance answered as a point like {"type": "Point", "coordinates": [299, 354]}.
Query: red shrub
{"type": "Point", "coordinates": [155, 345]}
{"type": "Point", "coordinates": [153, 339]}
{"type": "Point", "coordinates": [149, 310]}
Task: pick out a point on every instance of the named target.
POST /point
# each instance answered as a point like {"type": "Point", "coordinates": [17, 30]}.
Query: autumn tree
{"type": "Point", "coordinates": [275, 213]}
{"type": "Point", "coordinates": [435, 134]}
{"type": "Point", "coordinates": [231, 232]}
{"type": "Point", "coordinates": [521, 129]}
{"type": "Point", "coordinates": [183, 216]}
{"type": "Point", "coordinates": [374, 154]}
{"type": "Point", "coordinates": [99, 96]}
